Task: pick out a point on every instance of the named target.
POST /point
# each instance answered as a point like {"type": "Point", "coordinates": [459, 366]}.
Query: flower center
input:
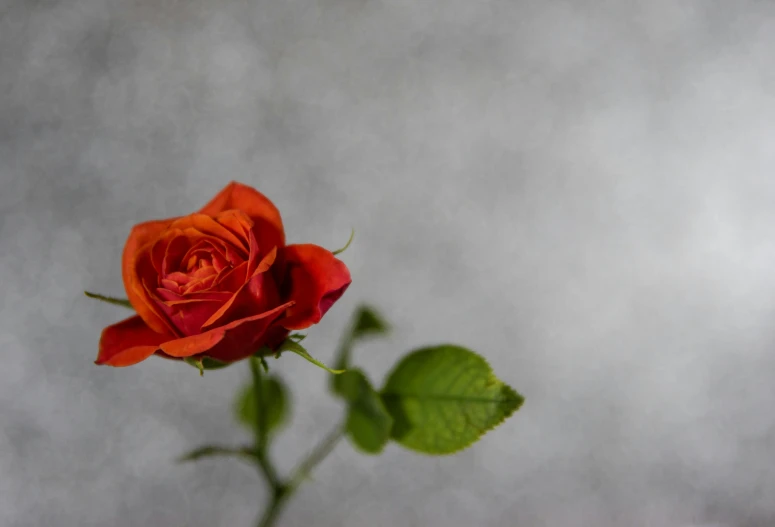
{"type": "Point", "coordinates": [198, 269]}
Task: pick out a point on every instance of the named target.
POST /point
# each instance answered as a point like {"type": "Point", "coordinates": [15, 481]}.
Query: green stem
{"type": "Point", "coordinates": [248, 453]}
{"type": "Point", "coordinates": [262, 436]}
{"type": "Point", "coordinates": [282, 490]}
{"type": "Point", "coordinates": [258, 393]}
{"type": "Point", "coordinates": [315, 457]}
{"type": "Point", "coordinates": [275, 506]}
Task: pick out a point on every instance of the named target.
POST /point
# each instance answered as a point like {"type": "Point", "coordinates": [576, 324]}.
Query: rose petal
{"type": "Point", "coordinates": [200, 284]}
{"type": "Point", "coordinates": [203, 224]}
{"type": "Point", "coordinates": [171, 297]}
{"type": "Point", "coordinates": [189, 315]}
{"type": "Point", "coordinates": [177, 277]}
{"type": "Point", "coordinates": [174, 253]}
{"type": "Point", "coordinates": [268, 226]}
{"type": "Point", "coordinates": [170, 285]}
{"type": "Point", "coordinates": [232, 279]}
{"type": "Point", "coordinates": [255, 295]}
{"type": "Point", "coordinates": [128, 342]}
{"type": "Point", "coordinates": [228, 343]}
{"type": "Point", "coordinates": [138, 242]}
{"type": "Point", "coordinates": [236, 221]}
{"type": "Point", "coordinates": [256, 253]}
{"type": "Point", "coordinates": [219, 262]}
{"type": "Point", "coordinates": [150, 284]}
{"type": "Point", "coordinates": [314, 280]}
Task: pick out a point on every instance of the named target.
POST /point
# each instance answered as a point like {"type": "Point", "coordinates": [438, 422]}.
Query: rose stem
{"type": "Point", "coordinates": [281, 491]}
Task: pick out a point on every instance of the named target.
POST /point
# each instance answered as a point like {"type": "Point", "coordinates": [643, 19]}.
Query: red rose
{"type": "Point", "coordinates": [219, 283]}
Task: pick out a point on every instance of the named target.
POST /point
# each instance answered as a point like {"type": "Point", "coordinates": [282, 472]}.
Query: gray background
{"type": "Point", "coordinates": [583, 192]}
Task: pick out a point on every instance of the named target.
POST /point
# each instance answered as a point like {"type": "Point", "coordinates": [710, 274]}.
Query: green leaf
{"type": "Point", "coordinates": [298, 337]}
{"type": "Point", "coordinates": [368, 323]}
{"type": "Point", "coordinates": [339, 251]}
{"type": "Point", "coordinates": [442, 399]}
{"type": "Point", "coordinates": [211, 451]}
{"type": "Point", "coordinates": [368, 422]}
{"type": "Point", "coordinates": [347, 385]}
{"type": "Point", "coordinates": [206, 363]}
{"type": "Point", "coordinates": [109, 299]}
{"type": "Point", "coordinates": [295, 347]}
{"type": "Point", "coordinates": [277, 404]}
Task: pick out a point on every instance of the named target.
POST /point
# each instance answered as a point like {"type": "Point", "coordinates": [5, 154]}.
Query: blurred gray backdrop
{"type": "Point", "coordinates": [581, 191]}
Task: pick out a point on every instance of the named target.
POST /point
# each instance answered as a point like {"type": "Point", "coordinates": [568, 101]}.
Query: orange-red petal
{"type": "Point", "coordinates": [140, 238]}
{"type": "Point", "coordinates": [204, 225]}
{"type": "Point", "coordinates": [268, 223]}
{"type": "Point", "coordinates": [128, 342]}
{"type": "Point", "coordinates": [228, 343]}
{"type": "Point", "coordinates": [188, 315]}
{"type": "Point", "coordinates": [232, 279]}
{"type": "Point", "coordinates": [314, 279]}
{"type": "Point", "coordinates": [236, 221]}
{"type": "Point", "coordinates": [255, 295]}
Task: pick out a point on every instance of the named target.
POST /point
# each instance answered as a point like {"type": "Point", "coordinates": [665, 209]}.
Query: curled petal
{"type": "Point", "coordinates": [136, 255]}
{"type": "Point", "coordinates": [232, 279]}
{"type": "Point", "coordinates": [314, 279]}
{"type": "Point", "coordinates": [128, 342]}
{"type": "Point", "coordinates": [202, 224]}
{"type": "Point", "coordinates": [189, 315]}
{"type": "Point", "coordinates": [254, 296]}
{"type": "Point", "coordinates": [174, 252]}
{"type": "Point", "coordinates": [147, 282]}
{"type": "Point", "coordinates": [171, 242]}
{"type": "Point", "coordinates": [188, 312]}
{"type": "Point", "coordinates": [268, 226]}
{"type": "Point", "coordinates": [227, 343]}
{"type": "Point", "coordinates": [236, 221]}
{"type": "Point", "coordinates": [171, 297]}
{"type": "Point", "coordinates": [257, 252]}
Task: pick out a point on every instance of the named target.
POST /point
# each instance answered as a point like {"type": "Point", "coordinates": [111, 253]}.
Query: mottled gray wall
{"type": "Point", "coordinates": [583, 193]}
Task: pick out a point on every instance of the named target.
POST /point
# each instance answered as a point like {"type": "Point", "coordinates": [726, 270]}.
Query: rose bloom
{"type": "Point", "coordinates": [219, 283]}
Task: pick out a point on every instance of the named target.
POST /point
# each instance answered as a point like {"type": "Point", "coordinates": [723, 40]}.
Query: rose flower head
{"type": "Point", "coordinates": [219, 283]}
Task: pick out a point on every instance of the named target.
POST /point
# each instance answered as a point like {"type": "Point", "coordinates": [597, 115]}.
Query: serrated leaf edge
{"type": "Point", "coordinates": [481, 432]}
